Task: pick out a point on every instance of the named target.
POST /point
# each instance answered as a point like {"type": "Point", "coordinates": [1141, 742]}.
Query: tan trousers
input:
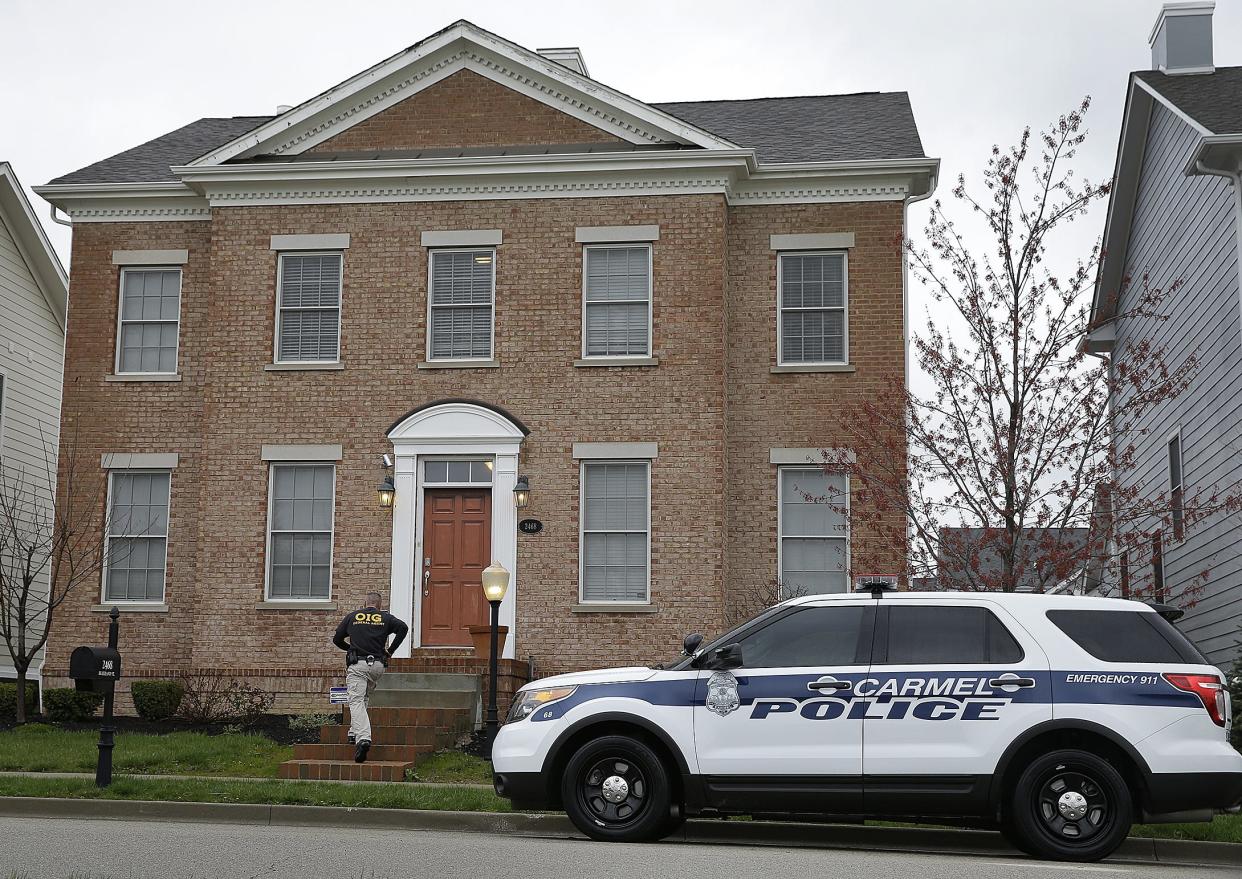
{"type": "Point", "coordinates": [360, 680]}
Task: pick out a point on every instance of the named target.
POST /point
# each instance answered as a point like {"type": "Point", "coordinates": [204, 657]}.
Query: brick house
{"type": "Point", "coordinates": [477, 261]}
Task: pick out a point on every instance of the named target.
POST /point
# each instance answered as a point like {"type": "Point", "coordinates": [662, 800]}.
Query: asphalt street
{"type": "Point", "coordinates": [59, 848]}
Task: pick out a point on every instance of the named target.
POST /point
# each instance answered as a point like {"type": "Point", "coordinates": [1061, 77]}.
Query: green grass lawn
{"type": "Point", "coordinates": [303, 793]}
{"type": "Point", "coordinates": [1224, 828]}
{"type": "Point", "coordinates": [453, 767]}
{"type": "Point", "coordinates": [38, 747]}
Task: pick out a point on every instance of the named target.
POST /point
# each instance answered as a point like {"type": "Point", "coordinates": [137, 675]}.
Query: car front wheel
{"type": "Point", "coordinates": [1071, 806]}
{"type": "Point", "coordinates": [615, 788]}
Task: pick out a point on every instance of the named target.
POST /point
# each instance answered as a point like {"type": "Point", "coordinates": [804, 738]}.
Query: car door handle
{"type": "Point", "coordinates": [829, 685]}
{"type": "Point", "coordinates": [1021, 683]}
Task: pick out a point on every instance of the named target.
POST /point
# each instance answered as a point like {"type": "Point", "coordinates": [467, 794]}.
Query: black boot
{"type": "Point", "coordinates": [360, 752]}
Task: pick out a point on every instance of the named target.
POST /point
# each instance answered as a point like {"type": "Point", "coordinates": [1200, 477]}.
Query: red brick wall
{"type": "Point", "coordinates": [464, 110]}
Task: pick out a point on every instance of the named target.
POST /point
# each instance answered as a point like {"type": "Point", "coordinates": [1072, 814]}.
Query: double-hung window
{"type": "Point", "coordinates": [136, 542]}
{"type": "Point", "coordinates": [1177, 500]}
{"type": "Point", "coordinates": [308, 308]}
{"type": "Point", "coordinates": [148, 321]}
{"type": "Point", "coordinates": [616, 531]}
{"type": "Point", "coordinates": [299, 551]}
{"type": "Point", "coordinates": [814, 531]}
{"type": "Point", "coordinates": [616, 310]}
{"type": "Point", "coordinates": [812, 324]}
{"type": "Point", "coordinates": [461, 304]}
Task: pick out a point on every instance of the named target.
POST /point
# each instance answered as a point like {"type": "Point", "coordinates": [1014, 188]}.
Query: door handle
{"type": "Point", "coordinates": [1019, 683]}
{"type": "Point", "coordinates": [829, 684]}
{"type": "Point", "coordinates": [426, 578]}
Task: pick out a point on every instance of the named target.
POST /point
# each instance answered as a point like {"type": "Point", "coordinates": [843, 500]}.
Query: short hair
{"type": "Point", "coordinates": [373, 599]}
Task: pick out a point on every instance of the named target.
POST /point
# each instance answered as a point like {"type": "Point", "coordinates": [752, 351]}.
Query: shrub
{"type": "Point", "coordinates": [157, 700]}
{"type": "Point", "coordinates": [67, 705]}
{"type": "Point", "coordinates": [215, 699]}
{"type": "Point", "coordinates": [306, 726]}
{"type": "Point", "coordinates": [8, 699]}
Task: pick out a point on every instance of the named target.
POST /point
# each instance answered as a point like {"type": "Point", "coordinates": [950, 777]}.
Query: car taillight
{"type": "Point", "coordinates": [1208, 688]}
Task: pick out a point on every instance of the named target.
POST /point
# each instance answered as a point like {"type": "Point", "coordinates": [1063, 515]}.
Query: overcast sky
{"type": "Point", "coordinates": [80, 81]}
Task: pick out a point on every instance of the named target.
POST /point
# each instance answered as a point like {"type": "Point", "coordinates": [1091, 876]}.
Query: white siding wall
{"type": "Point", "coordinates": [31, 358]}
{"type": "Point", "coordinates": [1184, 227]}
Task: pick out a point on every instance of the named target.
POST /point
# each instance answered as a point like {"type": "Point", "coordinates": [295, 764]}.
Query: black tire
{"type": "Point", "coordinates": [1015, 839]}
{"type": "Point", "coordinates": [1070, 806]}
{"type": "Point", "coordinates": [672, 824]}
{"type": "Point", "coordinates": [622, 767]}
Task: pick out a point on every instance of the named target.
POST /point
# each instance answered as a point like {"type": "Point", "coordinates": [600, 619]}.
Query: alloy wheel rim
{"type": "Point", "coordinates": [614, 791]}
{"type": "Point", "coordinates": [1072, 806]}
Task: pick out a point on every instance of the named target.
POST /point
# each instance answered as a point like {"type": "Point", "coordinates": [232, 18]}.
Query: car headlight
{"type": "Point", "coordinates": [526, 702]}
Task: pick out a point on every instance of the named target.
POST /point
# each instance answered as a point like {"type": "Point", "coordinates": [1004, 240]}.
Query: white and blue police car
{"type": "Point", "coordinates": [1058, 719]}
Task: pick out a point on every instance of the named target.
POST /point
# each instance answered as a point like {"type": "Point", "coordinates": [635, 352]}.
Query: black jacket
{"type": "Point", "coordinates": [367, 631]}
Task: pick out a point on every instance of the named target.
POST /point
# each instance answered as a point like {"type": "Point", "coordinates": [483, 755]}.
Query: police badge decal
{"type": "Point", "coordinates": [722, 695]}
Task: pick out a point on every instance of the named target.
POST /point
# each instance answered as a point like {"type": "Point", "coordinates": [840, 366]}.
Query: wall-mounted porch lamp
{"type": "Point", "coordinates": [387, 491]}
{"type": "Point", "coordinates": [521, 492]}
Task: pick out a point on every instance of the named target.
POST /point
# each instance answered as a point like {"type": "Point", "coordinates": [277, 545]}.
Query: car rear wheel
{"type": "Point", "coordinates": [1071, 806]}
{"type": "Point", "coordinates": [616, 789]}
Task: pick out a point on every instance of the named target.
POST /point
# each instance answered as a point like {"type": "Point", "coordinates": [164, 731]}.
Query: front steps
{"type": "Point", "coordinates": [413, 713]}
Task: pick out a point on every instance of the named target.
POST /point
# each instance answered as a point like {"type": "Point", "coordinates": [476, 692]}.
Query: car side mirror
{"type": "Point", "coordinates": [728, 656]}
{"type": "Point", "coordinates": [691, 643]}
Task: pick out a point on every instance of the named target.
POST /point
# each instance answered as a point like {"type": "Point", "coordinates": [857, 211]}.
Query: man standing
{"type": "Point", "coordinates": [363, 635]}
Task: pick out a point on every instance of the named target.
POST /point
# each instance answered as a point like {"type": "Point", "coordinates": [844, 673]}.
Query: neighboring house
{"type": "Point", "coordinates": [1176, 214]}
{"type": "Point", "coordinates": [34, 295]}
{"type": "Point", "coordinates": [1048, 559]}
{"type": "Point", "coordinates": [482, 263]}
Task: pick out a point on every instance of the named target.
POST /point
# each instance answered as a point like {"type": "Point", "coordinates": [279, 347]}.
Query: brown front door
{"type": "Point", "coordinates": [457, 546]}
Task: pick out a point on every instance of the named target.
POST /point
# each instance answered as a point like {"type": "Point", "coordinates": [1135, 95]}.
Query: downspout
{"type": "Point", "coordinates": [56, 219]}
{"type": "Point", "coordinates": [905, 273]}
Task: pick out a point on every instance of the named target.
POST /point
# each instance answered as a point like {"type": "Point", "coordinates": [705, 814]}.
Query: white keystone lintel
{"type": "Point", "coordinates": [615, 451]}
{"type": "Point", "coordinates": [324, 452]}
{"type": "Point", "coordinates": [463, 238]}
{"type": "Point", "coordinates": [150, 257]}
{"type": "Point", "coordinates": [336, 241]}
{"type": "Point", "coordinates": [615, 234]}
{"type": "Point", "coordinates": [138, 461]}
{"type": "Point", "coordinates": [811, 457]}
{"type": "Point", "coordinates": [816, 241]}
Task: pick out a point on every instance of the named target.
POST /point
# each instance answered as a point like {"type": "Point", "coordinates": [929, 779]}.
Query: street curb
{"type": "Point", "coordinates": [702, 831]}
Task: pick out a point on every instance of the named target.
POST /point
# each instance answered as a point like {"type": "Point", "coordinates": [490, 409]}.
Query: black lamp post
{"type": "Point", "coordinates": [495, 583]}
{"type": "Point", "coordinates": [103, 767]}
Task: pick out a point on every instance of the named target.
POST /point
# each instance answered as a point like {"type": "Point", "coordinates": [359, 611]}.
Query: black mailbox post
{"type": "Point", "coordinates": [96, 670]}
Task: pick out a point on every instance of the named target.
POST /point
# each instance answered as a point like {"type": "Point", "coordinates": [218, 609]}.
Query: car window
{"type": "Point", "coordinates": [810, 636]}
{"type": "Point", "coordinates": [1126, 636]}
{"type": "Point", "coordinates": [925, 635]}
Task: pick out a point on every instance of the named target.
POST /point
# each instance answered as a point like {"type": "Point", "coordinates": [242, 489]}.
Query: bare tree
{"type": "Point", "coordinates": [50, 545]}
{"type": "Point", "coordinates": [1006, 473]}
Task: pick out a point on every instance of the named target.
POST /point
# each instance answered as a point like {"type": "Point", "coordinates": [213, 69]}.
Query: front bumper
{"type": "Point", "coordinates": [1186, 791]}
{"type": "Point", "coordinates": [525, 790]}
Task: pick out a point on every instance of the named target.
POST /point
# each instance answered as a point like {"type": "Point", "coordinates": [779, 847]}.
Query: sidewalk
{"type": "Point", "coordinates": [711, 832]}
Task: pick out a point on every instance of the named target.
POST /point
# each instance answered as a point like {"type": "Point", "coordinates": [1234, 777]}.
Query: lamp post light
{"type": "Point", "coordinates": [495, 584]}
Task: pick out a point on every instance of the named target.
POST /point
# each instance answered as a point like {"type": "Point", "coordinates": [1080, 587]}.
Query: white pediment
{"type": "Point", "coordinates": [462, 46]}
{"type": "Point", "coordinates": [456, 422]}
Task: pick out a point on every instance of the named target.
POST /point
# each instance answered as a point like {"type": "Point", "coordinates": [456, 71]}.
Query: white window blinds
{"type": "Point", "coordinates": [813, 531]}
{"type": "Point", "coordinates": [615, 531]}
{"type": "Point", "coordinates": [461, 304]}
{"type": "Point", "coordinates": [617, 306]}
{"type": "Point", "coordinates": [309, 312]}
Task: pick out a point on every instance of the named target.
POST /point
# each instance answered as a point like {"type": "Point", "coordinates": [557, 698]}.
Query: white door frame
{"type": "Point", "coordinates": [457, 428]}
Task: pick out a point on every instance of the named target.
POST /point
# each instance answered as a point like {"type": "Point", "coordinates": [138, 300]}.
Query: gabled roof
{"type": "Point", "coordinates": [1214, 100]}
{"type": "Point", "coordinates": [809, 129]}
{"type": "Point", "coordinates": [18, 217]}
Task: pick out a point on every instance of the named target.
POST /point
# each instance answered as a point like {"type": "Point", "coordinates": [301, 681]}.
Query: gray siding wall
{"type": "Point", "coordinates": [1185, 227]}
{"type": "Point", "coordinates": [32, 349]}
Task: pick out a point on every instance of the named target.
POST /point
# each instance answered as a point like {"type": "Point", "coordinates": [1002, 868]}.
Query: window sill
{"type": "Point", "coordinates": [295, 605]}
{"type": "Point", "coordinates": [144, 377]}
{"type": "Point", "coordinates": [814, 367]}
{"type": "Point", "coordinates": [618, 361]}
{"type": "Point", "coordinates": [125, 607]}
{"type": "Point", "coordinates": [459, 364]}
{"type": "Point", "coordinates": [304, 367]}
{"type": "Point", "coordinates": [619, 607]}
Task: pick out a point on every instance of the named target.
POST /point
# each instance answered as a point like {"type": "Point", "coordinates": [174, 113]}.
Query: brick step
{"type": "Point", "coordinates": [424, 699]}
{"type": "Point", "coordinates": [437, 718]}
{"type": "Point", "coordinates": [380, 753]}
{"type": "Point", "coordinates": [341, 770]}
{"type": "Point", "coordinates": [392, 735]}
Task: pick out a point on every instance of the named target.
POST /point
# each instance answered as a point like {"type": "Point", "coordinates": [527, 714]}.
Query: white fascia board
{"type": "Point", "coordinates": [36, 250]}
{"type": "Point", "coordinates": [495, 52]}
{"type": "Point", "coordinates": [1171, 107]}
{"type": "Point", "coordinates": [139, 202]}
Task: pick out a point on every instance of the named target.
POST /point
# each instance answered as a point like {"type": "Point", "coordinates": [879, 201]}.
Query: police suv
{"type": "Point", "coordinates": [1057, 719]}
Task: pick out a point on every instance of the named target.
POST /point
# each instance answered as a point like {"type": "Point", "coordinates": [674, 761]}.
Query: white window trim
{"type": "Point", "coordinates": [780, 525]}
{"type": "Point", "coordinates": [1176, 434]}
{"type": "Point", "coordinates": [120, 320]}
{"type": "Point", "coordinates": [423, 459]}
{"type": "Point", "coordinates": [780, 308]}
{"type": "Point", "coordinates": [267, 555]}
{"type": "Point", "coordinates": [431, 255]}
{"type": "Point", "coordinates": [108, 535]}
{"type": "Point", "coordinates": [650, 300]}
{"type": "Point", "coordinates": [340, 307]}
{"type": "Point", "coordinates": [582, 600]}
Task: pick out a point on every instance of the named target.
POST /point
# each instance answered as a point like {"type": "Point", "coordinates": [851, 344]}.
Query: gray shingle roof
{"type": "Point", "coordinates": [815, 128]}
{"type": "Point", "coordinates": [1214, 100]}
{"type": "Point", "coordinates": [149, 163]}
{"type": "Point", "coordinates": [871, 125]}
